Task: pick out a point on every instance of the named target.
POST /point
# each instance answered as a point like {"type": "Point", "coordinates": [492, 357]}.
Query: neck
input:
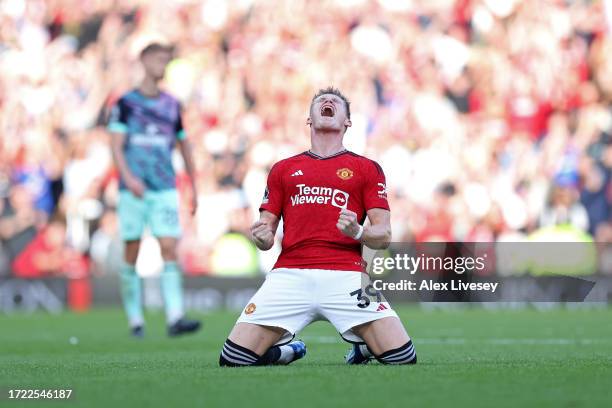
{"type": "Point", "coordinates": [326, 144]}
{"type": "Point", "coordinates": [149, 87]}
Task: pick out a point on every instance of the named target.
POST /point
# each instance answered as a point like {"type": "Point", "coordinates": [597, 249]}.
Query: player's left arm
{"type": "Point", "coordinates": [184, 147]}
{"type": "Point", "coordinates": [377, 235]}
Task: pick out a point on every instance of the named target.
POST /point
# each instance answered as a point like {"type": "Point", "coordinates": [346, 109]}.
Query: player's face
{"type": "Point", "coordinates": [328, 112]}
{"type": "Point", "coordinates": [155, 63]}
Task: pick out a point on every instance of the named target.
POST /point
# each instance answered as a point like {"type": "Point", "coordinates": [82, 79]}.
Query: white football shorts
{"type": "Point", "coordinates": [294, 298]}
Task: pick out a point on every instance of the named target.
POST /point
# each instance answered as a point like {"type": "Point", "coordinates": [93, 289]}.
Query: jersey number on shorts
{"type": "Point", "coordinates": [363, 301]}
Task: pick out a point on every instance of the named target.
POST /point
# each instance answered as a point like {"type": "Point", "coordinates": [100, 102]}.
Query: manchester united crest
{"type": "Point", "coordinates": [344, 173]}
{"type": "Point", "coordinates": [250, 308]}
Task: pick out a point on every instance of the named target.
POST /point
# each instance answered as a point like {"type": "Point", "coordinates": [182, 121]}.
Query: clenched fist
{"type": "Point", "coordinates": [263, 236]}
{"type": "Point", "coordinates": [347, 223]}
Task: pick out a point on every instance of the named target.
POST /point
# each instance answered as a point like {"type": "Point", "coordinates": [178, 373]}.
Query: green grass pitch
{"type": "Point", "coordinates": [467, 357]}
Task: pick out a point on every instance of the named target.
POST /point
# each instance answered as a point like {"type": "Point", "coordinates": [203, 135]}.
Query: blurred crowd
{"type": "Point", "coordinates": [491, 118]}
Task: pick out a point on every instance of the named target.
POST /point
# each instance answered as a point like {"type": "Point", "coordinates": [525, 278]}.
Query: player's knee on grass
{"type": "Point", "coordinates": [405, 354]}
{"type": "Point", "coordinates": [234, 355]}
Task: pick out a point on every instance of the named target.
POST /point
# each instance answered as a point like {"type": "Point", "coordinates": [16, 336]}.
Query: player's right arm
{"type": "Point", "coordinates": [270, 211]}
{"type": "Point", "coordinates": [264, 230]}
{"type": "Point", "coordinates": [117, 126]}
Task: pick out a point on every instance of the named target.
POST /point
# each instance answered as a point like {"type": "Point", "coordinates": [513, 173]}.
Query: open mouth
{"type": "Point", "coordinates": [328, 110]}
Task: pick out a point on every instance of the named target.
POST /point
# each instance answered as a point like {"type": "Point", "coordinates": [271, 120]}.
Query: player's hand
{"type": "Point", "coordinates": [347, 223]}
{"type": "Point", "coordinates": [135, 185]}
{"type": "Point", "coordinates": [262, 235]}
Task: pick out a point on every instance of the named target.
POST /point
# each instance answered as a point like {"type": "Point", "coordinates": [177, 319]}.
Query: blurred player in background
{"type": "Point", "coordinates": [146, 125]}
{"type": "Point", "coordinates": [324, 196]}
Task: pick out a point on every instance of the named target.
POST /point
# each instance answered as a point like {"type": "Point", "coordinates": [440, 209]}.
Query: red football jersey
{"type": "Point", "coordinates": [308, 192]}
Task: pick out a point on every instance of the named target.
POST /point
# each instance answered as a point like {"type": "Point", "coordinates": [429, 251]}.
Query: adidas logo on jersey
{"type": "Point", "coordinates": [297, 173]}
{"type": "Point", "coordinates": [381, 307]}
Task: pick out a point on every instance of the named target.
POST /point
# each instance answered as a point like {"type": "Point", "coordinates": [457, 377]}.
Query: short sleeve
{"type": "Point", "coordinates": [178, 128]}
{"type": "Point", "coordinates": [274, 194]}
{"type": "Point", "coordinates": [375, 188]}
{"type": "Point", "coordinates": [118, 118]}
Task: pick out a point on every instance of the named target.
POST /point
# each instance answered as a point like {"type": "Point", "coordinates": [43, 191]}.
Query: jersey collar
{"type": "Point", "coordinates": [316, 156]}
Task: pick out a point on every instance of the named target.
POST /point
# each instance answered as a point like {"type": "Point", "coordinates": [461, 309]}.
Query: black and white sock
{"type": "Point", "coordinates": [365, 350]}
{"type": "Point", "coordinates": [405, 354]}
{"type": "Point", "coordinates": [234, 355]}
{"type": "Point", "coordinates": [279, 355]}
